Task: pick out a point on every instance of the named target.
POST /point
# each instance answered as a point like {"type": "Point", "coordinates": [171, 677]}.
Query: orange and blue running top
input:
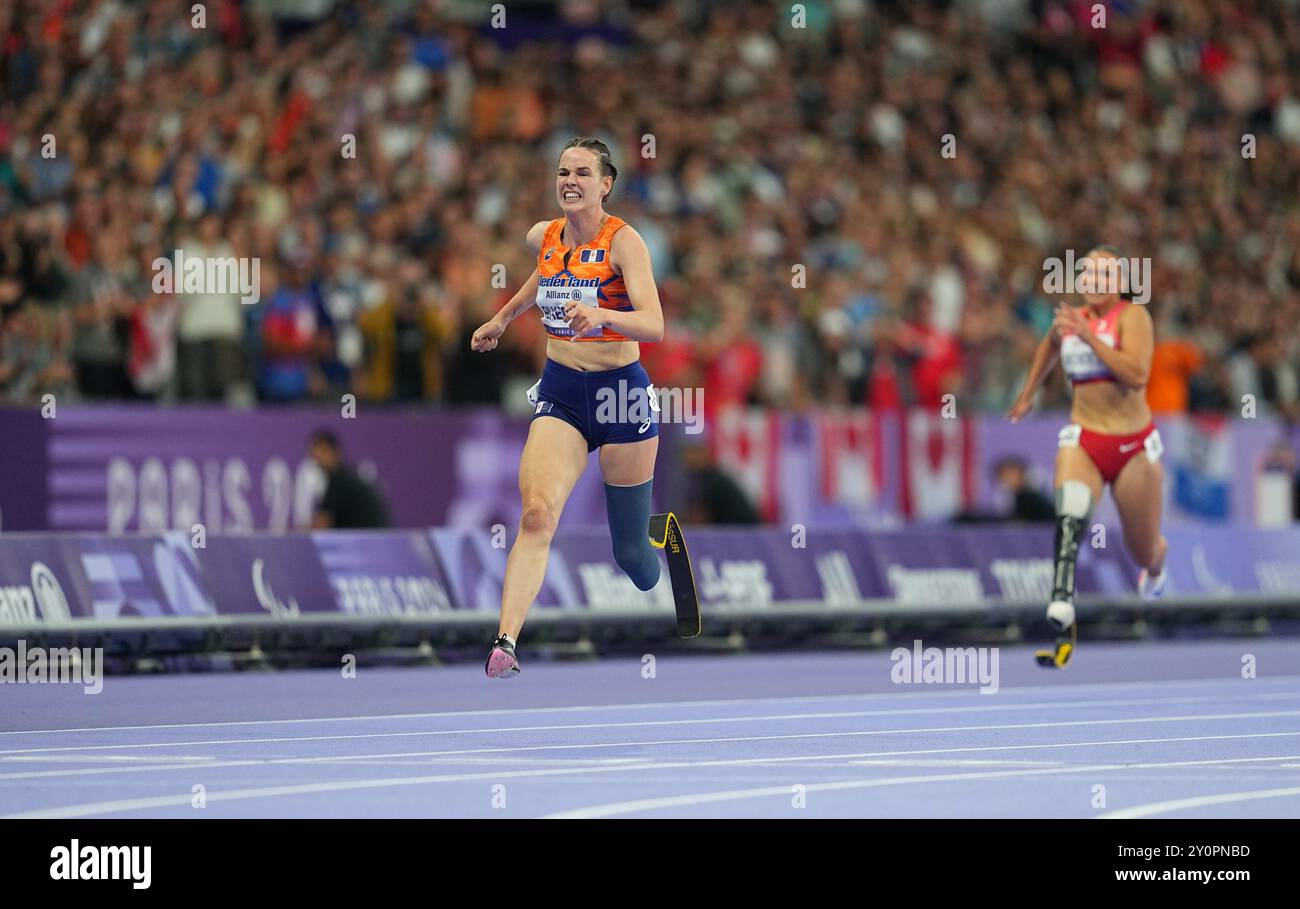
{"type": "Point", "coordinates": [581, 275]}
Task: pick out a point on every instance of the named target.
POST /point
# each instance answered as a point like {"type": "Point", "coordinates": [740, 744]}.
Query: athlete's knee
{"type": "Point", "coordinates": [539, 517]}
{"type": "Point", "coordinates": [1074, 500]}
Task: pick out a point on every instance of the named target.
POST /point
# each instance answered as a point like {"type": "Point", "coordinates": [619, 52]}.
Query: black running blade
{"type": "Point", "coordinates": [666, 534]}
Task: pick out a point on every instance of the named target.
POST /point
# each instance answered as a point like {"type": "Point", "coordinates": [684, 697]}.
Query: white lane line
{"type": "Point", "coordinates": [442, 757]}
{"type": "Point", "coordinates": [439, 755]}
{"type": "Point", "coordinates": [1205, 762]}
{"type": "Point", "coordinates": [214, 764]}
{"type": "Point", "coordinates": [117, 806]}
{"type": "Point", "coordinates": [139, 804]}
{"type": "Point", "coordinates": [707, 721]}
{"type": "Point", "coordinates": [725, 702]}
{"type": "Point", "coordinates": [1225, 798]}
{"type": "Point", "coordinates": [959, 762]}
{"type": "Point", "coordinates": [731, 795]}
{"type": "Point", "coordinates": [91, 758]}
{"type": "Point", "coordinates": [134, 768]}
{"type": "Point", "coordinates": [680, 801]}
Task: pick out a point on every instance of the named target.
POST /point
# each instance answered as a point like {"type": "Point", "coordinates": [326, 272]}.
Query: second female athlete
{"type": "Point", "coordinates": [1105, 348]}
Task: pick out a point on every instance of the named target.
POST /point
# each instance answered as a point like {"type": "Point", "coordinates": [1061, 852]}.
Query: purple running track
{"type": "Point", "coordinates": [1165, 729]}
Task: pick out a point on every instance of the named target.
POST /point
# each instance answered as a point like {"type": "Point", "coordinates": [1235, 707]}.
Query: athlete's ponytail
{"type": "Point", "coordinates": [601, 151]}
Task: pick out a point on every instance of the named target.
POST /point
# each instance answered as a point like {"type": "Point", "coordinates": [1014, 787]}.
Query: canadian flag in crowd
{"type": "Point", "coordinates": [746, 442]}
{"type": "Point", "coordinates": [851, 466]}
{"type": "Point", "coordinates": [938, 465]}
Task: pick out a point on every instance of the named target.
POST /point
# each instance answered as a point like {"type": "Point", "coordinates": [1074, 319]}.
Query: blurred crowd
{"type": "Point", "coordinates": [854, 207]}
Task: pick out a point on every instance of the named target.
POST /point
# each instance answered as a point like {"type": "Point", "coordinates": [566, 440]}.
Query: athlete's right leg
{"type": "Point", "coordinates": [554, 457]}
{"type": "Point", "coordinates": [1078, 487]}
{"type": "Point", "coordinates": [1139, 493]}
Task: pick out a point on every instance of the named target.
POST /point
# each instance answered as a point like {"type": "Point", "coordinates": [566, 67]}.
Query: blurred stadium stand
{"type": "Point", "coordinates": [773, 146]}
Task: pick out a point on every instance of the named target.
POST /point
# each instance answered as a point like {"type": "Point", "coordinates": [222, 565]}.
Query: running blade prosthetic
{"type": "Point", "coordinates": [666, 534]}
{"type": "Point", "coordinates": [1061, 617]}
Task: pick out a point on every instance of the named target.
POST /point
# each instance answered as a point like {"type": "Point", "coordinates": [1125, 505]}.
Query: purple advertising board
{"type": "Point", "coordinates": [54, 578]}
{"type": "Point", "coordinates": [362, 573]}
{"type": "Point", "coordinates": [474, 565]}
{"type": "Point", "coordinates": [144, 469]}
{"type": "Point", "coordinates": [121, 468]}
{"type": "Point", "coordinates": [413, 574]}
{"type": "Point", "coordinates": [375, 573]}
{"type": "Point", "coordinates": [279, 576]}
{"type": "Point", "coordinates": [929, 565]}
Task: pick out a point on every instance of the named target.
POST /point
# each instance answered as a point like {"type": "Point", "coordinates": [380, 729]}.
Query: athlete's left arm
{"type": "Point", "coordinates": [1131, 364]}
{"type": "Point", "coordinates": [646, 320]}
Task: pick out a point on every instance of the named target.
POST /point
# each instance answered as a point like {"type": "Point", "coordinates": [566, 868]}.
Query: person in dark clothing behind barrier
{"type": "Point", "coordinates": [349, 501]}
{"type": "Point", "coordinates": [715, 496]}
{"type": "Point", "coordinates": [1027, 503]}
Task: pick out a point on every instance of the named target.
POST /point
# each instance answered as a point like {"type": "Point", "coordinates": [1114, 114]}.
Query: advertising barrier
{"type": "Point", "coordinates": [120, 468]}
{"type": "Point", "coordinates": [425, 575]}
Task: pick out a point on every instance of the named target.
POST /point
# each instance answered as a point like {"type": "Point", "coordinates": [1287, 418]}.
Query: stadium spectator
{"type": "Point", "coordinates": [1027, 503]}
{"type": "Point", "coordinates": [294, 331]}
{"type": "Point", "coordinates": [210, 325]}
{"type": "Point", "coordinates": [1175, 361]}
{"type": "Point", "coordinates": [349, 502]}
{"type": "Point", "coordinates": [104, 301]}
{"type": "Point", "coordinates": [405, 336]}
{"type": "Point", "coordinates": [715, 496]}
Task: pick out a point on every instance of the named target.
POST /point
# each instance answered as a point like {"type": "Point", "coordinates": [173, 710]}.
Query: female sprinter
{"type": "Point", "coordinates": [1105, 349]}
{"type": "Point", "coordinates": [598, 298]}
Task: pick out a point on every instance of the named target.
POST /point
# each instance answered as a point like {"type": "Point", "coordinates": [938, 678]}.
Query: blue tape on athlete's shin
{"type": "Point", "coordinates": [629, 522]}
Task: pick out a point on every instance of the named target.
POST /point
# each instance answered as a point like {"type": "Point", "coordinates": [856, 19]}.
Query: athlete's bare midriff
{"type": "Point", "coordinates": [1110, 408]}
{"type": "Point", "coordinates": [593, 356]}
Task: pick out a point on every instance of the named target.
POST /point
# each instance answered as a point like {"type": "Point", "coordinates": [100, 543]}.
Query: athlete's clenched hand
{"type": "Point", "coordinates": [487, 336]}
{"type": "Point", "coordinates": [583, 319]}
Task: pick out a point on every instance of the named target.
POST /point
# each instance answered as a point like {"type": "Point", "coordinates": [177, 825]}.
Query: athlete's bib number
{"type": "Point", "coordinates": [552, 301]}
{"type": "Point", "coordinates": [1080, 361]}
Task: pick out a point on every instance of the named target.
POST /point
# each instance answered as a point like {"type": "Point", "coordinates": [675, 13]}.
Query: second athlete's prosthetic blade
{"type": "Point", "coordinates": [666, 534]}
{"type": "Point", "coordinates": [1066, 639]}
{"type": "Point", "coordinates": [1073, 507]}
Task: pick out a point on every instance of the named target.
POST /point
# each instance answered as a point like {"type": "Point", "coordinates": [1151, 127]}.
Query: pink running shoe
{"type": "Point", "coordinates": [501, 662]}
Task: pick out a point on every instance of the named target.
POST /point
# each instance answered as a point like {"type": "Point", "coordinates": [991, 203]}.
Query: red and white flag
{"type": "Point", "coordinates": [850, 465]}
{"type": "Point", "coordinates": [938, 465]}
{"type": "Point", "coordinates": [746, 442]}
